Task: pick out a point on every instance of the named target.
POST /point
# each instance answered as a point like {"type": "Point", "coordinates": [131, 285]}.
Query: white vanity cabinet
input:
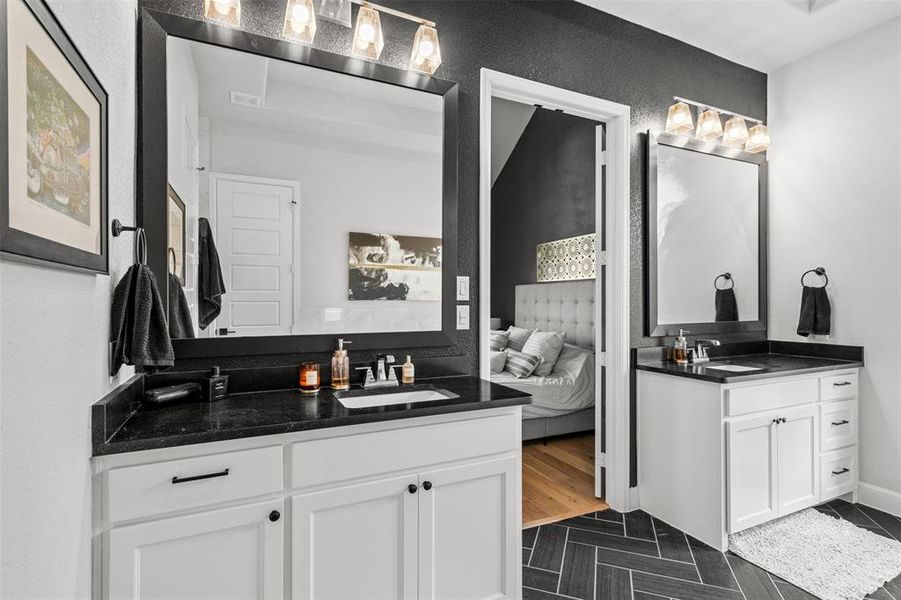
{"type": "Point", "coordinates": [715, 459]}
{"type": "Point", "coordinates": [416, 508]}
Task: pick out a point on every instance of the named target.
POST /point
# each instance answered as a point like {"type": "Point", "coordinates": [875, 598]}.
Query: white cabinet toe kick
{"type": "Point", "coordinates": [418, 508]}
{"type": "Point", "coordinates": [714, 459]}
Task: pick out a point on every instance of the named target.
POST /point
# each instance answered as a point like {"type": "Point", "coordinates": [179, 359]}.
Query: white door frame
{"type": "Point", "coordinates": [614, 221]}
{"type": "Point", "coordinates": [215, 177]}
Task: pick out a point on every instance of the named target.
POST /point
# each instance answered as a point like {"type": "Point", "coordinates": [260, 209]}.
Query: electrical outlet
{"type": "Point", "coordinates": [462, 288]}
{"type": "Point", "coordinates": [463, 316]}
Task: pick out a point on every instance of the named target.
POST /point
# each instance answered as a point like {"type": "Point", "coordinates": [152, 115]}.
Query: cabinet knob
{"type": "Point", "coordinates": [426, 485]}
{"type": "Point", "coordinates": [275, 516]}
{"type": "Point", "coordinates": [412, 488]}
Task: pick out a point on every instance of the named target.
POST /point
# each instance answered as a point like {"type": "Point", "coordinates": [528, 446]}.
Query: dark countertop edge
{"type": "Point", "coordinates": [670, 369]}
{"type": "Point", "coordinates": [107, 448]}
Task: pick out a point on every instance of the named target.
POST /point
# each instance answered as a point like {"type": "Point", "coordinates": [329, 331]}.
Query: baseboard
{"type": "Point", "coordinates": [879, 498]}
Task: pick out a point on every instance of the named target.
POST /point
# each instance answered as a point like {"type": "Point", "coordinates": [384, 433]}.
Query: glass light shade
{"type": "Point", "coordinates": [759, 140]}
{"type": "Point", "coordinates": [368, 40]}
{"type": "Point", "coordinates": [426, 55]}
{"type": "Point", "coordinates": [336, 11]}
{"type": "Point", "coordinates": [735, 133]}
{"type": "Point", "coordinates": [300, 21]}
{"type": "Point", "coordinates": [678, 119]}
{"type": "Point", "coordinates": [709, 126]}
{"type": "Point", "coordinates": [227, 12]}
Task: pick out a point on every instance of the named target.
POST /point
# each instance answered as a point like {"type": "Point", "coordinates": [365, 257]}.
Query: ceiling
{"type": "Point", "coordinates": [761, 34]}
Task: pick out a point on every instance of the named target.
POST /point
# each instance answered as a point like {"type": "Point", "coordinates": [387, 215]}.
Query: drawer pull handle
{"type": "Point", "coordinates": [412, 488]}
{"type": "Point", "coordinates": [275, 516]}
{"type": "Point", "coordinates": [842, 422]}
{"type": "Point", "coordinates": [178, 479]}
{"type": "Point", "coordinates": [841, 383]}
{"type": "Point", "coordinates": [842, 472]}
{"type": "Point", "coordinates": [427, 485]}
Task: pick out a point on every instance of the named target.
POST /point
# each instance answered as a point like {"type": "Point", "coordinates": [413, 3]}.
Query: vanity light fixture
{"type": "Point", "coordinates": [336, 11]}
{"type": "Point", "coordinates": [710, 128]}
{"type": "Point", "coordinates": [426, 55]}
{"type": "Point", "coordinates": [227, 12]}
{"type": "Point", "coordinates": [735, 132]}
{"type": "Point", "coordinates": [300, 21]}
{"type": "Point", "coordinates": [368, 40]}
{"type": "Point", "coordinates": [759, 140]}
{"type": "Point", "coordinates": [678, 119]}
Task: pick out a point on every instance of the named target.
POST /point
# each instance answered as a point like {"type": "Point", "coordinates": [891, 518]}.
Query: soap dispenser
{"type": "Point", "coordinates": [680, 348]}
{"type": "Point", "coordinates": [341, 367]}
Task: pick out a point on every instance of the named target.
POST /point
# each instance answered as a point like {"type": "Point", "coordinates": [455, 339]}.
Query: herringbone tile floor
{"type": "Point", "coordinates": [614, 556]}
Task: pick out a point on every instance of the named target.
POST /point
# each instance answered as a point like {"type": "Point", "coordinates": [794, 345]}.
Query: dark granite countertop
{"type": "Point", "coordinates": [273, 412]}
{"type": "Point", "coordinates": [769, 366]}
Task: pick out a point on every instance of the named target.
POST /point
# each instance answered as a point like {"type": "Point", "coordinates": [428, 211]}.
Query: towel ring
{"type": "Point", "coordinates": [819, 271]}
{"type": "Point", "coordinates": [727, 277]}
{"type": "Point", "coordinates": [170, 252]}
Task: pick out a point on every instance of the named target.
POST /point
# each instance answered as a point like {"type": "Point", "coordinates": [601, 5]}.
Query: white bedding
{"type": "Point", "coordinates": [569, 387]}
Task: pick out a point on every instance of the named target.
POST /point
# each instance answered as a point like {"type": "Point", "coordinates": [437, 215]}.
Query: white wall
{"type": "Point", "coordinates": [835, 194]}
{"type": "Point", "coordinates": [53, 352]}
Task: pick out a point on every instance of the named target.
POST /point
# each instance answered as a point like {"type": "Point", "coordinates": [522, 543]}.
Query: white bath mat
{"type": "Point", "coordinates": [830, 558]}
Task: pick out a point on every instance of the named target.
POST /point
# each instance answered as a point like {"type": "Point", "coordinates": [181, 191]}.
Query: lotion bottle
{"type": "Point", "coordinates": [680, 349]}
{"type": "Point", "coordinates": [341, 367]}
{"type": "Point", "coordinates": [408, 371]}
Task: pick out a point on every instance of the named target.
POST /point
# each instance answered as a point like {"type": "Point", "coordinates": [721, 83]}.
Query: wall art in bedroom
{"type": "Point", "coordinates": [394, 267]}
{"type": "Point", "coordinates": [567, 259]}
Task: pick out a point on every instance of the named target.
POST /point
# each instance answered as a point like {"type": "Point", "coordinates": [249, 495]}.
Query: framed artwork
{"type": "Point", "coordinates": [53, 145]}
{"type": "Point", "coordinates": [568, 259]}
{"type": "Point", "coordinates": [176, 228]}
{"type": "Point", "coordinates": [384, 266]}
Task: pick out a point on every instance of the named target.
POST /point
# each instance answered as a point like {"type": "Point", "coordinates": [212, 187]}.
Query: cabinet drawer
{"type": "Point", "coordinates": [838, 424]}
{"type": "Point", "coordinates": [838, 473]}
{"type": "Point", "coordinates": [838, 386]}
{"type": "Point", "coordinates": [339, 459]}
{"type": "Point", "coordinates": [746, 400]}
{"type": "Point", "coordinates": [164, 487]}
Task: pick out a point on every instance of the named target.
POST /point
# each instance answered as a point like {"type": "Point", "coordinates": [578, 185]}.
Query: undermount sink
{"type": "Point", "coordinates": [371, 398]}
{"type": "Point", "coordinates": [733, 368]}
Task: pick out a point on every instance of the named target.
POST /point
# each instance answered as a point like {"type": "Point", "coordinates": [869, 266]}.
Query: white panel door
{"type": "Point", "coordinates": [469, 532]}
{"type": "Point", "coordinates": [751, 471]}
{"type": "Point", "coordinates": [232, 553]}
{"type": "Point", "coordinates": [356, 542]}
{"type": "Point", "coordinates": [798, 448]}
{"type": "Point", "coordinates": [255, 235]}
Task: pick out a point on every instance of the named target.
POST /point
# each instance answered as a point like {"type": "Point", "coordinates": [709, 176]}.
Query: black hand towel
{"type": "Point", "coordinates": [726, 306]}
{"type": "Point", "coordinates": [138, 327]}
{"type": "Point", "coordinates": [180, 325]}
{"type": "Point", "coordinates": [211, 286]}
{"type": "Point", "coordinates": [816, 312]}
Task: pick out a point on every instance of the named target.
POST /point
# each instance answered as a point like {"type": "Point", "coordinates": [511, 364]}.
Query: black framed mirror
{"type": "Point", "coordinates": [324, 188]}
{"type": "Point", "coordinates": [706, 238]}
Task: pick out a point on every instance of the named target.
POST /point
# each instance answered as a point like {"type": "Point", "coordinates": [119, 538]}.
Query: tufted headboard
{"type": "Point", "coordinates": [560, 306]}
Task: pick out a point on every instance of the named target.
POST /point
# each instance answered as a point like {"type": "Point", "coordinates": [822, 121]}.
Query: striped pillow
{"type": "Point", "coordinates": [518, 337]}
{"type": "Point", "coordinates": [521, 365]}
{"type": "Point", "coordinates": [499, 340]}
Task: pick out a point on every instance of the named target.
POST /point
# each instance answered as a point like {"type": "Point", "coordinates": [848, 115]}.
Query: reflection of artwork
{"type": "Point", "coordinates": [59, 145]}
{"type": "Point", "coordinates": [394, 267]}
{"type": "Point", "coordinates": [568, 259]}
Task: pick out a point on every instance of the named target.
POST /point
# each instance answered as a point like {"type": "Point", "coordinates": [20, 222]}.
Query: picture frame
{"type": "Point", "coordinates": [53, 145]}
{"type": "Point", "coordinates": [176, 227]}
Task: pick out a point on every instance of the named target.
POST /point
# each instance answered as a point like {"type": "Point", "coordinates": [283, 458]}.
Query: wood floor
{"type": "Point", "coordinates": [558, 479]}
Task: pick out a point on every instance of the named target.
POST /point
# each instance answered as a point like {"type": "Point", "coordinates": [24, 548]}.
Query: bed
{"type": "Point", "coordinates": [564, 401]}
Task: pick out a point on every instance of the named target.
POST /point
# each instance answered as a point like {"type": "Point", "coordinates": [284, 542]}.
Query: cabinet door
{"type": "Point", "coordinates": [751, 471]}
{"type": "Point", "coordinates": [469, 537]}
{"type": "Point", "coordinates": [798, 446]}
{"type": "Point", "coordinates": [356, 541]}
{"type": "Point", "coordinates": [231, 553]}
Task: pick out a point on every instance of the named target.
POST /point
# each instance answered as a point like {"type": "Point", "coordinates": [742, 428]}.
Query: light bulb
{"type": "Point", "coordinates": [222, 6]}
{"type": "Point", "coordinates": [300, 14]}
{"type": "Point", "coordinates": [367, 33]}
{"type": "Point", "coordinates": [426, 48]}
{"type": "Point", "coordinates": [678, 119]}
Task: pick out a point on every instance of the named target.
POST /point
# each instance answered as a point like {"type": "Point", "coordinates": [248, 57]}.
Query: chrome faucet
{"type": "Point", "coordinates": [700, 353]}
{"type": "Point", "coordinates": [385, 375]}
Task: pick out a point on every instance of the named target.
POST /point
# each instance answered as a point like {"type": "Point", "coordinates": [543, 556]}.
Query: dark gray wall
{"type": "Point", "coordinates": [560, 43]}
{"type": "Point", "coordinates": [545, 192]}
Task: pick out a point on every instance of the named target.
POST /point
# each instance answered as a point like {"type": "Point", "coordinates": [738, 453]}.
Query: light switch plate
{"type": "Point", "coordinates": [462, 288]}
{"type": "Point", "coordinates": [463, 316]}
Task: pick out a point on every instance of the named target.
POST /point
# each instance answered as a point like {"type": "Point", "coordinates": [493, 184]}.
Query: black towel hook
{"type": "Point", "coordinates": [140, 239]}
{"type": "Point", "coordinates": [728, 277]}
{"type": "Point", "coordinates": [819, 271]}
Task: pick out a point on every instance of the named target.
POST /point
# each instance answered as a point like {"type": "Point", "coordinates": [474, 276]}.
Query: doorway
{"type": "Point", "coordinates": [610, 468]}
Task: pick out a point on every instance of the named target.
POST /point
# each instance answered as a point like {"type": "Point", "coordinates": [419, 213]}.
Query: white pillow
{"type": "Point", "coordinates": [546, 345]}
{"type": "Point", "coordinates": [517, 336]}
{"type": "Point", "coordinates": [497, 360]}
{"type": "Point", "coordinates": [498, 340]}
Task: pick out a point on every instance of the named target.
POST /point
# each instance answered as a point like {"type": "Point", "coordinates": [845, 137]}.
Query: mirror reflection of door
{"type": "Point", "coordinates": [256, 229]}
